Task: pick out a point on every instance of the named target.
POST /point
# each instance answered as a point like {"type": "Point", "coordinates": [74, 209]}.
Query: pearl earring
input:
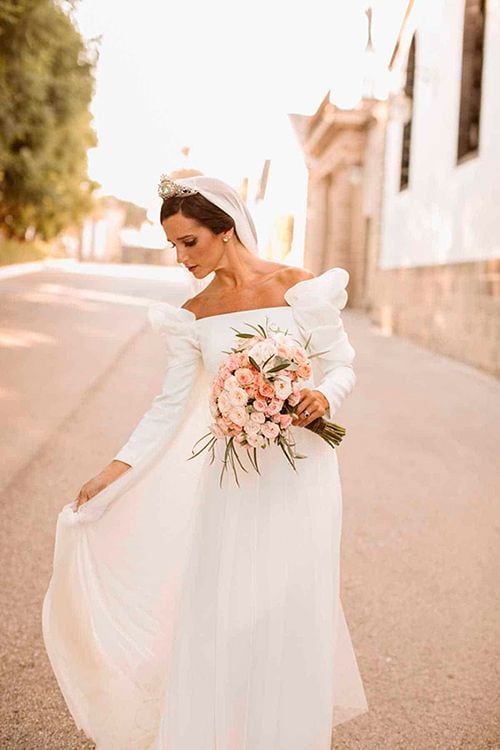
{"type": "Point", "coordinates": [225, 239]}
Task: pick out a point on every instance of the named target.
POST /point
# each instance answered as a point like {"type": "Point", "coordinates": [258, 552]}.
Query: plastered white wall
{"type": "Point", "coordinates": [450, 213]}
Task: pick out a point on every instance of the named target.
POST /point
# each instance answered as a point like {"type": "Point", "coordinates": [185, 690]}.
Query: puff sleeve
{"type": "Point", "coordinates": [158, 425]}
{"type": "Point", "coordinates": [316, 304]}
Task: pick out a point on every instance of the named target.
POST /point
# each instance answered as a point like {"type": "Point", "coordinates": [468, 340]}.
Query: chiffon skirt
{"type": "Point", "coordinates": [185, 616]}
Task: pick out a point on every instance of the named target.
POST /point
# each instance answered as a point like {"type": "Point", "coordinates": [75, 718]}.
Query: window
{"type": "Point", "coordinates": [408, 90]}
{"type": "Point", "coordinates": [472, 73]}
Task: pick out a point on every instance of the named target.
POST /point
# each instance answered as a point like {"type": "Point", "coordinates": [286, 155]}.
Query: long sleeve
{"type": "Point", "coordinates": [316, 307]}
{"type": "Point", "coordinates": [159, 423]}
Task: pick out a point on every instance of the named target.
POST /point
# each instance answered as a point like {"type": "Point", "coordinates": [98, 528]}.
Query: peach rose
{"type": "Point", "coordinates": [266, 390]}
{"type": "Point", "coordinates": [304, 371]}
{"type": "Point", "coordinates": [244, 376]}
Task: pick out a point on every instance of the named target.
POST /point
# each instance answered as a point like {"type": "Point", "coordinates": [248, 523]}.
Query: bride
{"type": "Point", "coordinates": [187, 615]}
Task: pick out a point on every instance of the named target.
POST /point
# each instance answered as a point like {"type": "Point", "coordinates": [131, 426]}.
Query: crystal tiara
{"type": "Point", "coordinates": [167, 188]}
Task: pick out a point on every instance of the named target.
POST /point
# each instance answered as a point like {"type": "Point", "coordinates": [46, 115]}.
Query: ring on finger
{"type": "Point", "coordinates": [307, 413]}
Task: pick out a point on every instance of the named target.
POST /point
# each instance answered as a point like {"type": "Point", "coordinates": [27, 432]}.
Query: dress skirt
{"type": "Point", "coordinates": [182, 615]}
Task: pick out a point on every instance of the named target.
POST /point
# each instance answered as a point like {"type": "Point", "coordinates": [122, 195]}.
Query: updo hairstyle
{"type": "Point", "coordinates": [200, 209]}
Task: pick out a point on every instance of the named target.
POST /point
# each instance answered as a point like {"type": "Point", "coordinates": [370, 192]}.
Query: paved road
{"type": "Point", "coordinates": [420, 548]}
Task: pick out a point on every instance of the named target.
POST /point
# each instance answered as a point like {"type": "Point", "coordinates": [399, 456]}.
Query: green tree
{"type": "Point", "coordinates": [46, 86]}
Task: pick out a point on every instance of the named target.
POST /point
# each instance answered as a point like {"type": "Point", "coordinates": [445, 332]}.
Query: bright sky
{"type": "Point", "coordinates": [219, 76]}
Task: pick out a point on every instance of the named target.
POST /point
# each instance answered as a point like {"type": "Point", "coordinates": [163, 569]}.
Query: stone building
{"type": "Point", "coordinates": [437, 278]}
{"type": "Point", "coordinates": [404, 193]}
{"type": "Point", "coordinates": [343, 150]}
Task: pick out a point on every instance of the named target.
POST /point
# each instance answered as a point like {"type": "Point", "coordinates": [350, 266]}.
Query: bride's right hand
{"type": "Point", "coordinates": [100, 482]}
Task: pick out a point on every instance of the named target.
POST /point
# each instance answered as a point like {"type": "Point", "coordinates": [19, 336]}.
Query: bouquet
{"type": "Point", "coordinates": [254, 395]}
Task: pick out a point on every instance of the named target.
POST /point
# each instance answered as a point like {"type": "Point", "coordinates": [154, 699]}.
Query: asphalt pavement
{"type": "Point", "coordinates": [419, 468]}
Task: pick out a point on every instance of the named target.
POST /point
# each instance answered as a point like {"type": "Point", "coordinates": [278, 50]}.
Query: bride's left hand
{"type": "Point", "coordinates": [313, 402]}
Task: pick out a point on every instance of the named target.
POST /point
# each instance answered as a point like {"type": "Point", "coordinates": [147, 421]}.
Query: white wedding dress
{"type": "Point", "coordinates": [185, 616]}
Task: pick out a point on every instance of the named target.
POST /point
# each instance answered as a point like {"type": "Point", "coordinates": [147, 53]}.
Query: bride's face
{"type": "Point", "coordinates": [196, 246]}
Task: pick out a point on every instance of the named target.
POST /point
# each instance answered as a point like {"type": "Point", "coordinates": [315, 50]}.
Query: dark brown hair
{"type": "Point", "coordinates": [199, 208]}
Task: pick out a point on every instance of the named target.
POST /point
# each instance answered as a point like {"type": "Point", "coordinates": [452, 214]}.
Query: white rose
{"type": "Point", "coordinates": [284, 339]}
{"type": "Point", "coordinates": [254, 440]}
{"type": "Point", "coordinates": [262, 351]}
{"type": "Point", "coordinates": [283, 387]}
{"type": "Point", "coordinates": [230, 383]}
{"type": "Point", "coordinates": [238, 415]}
{"type": "Point", "coordinates": [270, 429]}
{"type": "Point", "coordinates": [224, 403]}
{"type": "Point", "coordinates": [258, 417]}
{"type": "Point", "coordinates": [238, 397]}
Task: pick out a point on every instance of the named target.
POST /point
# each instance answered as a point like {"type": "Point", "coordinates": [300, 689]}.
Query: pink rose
{"type": "Point", "coordinates": [299, 356]}
{"type": "Point", "coordinates": [244, 376]}
{"type": "Point", "coordinates": [241, 359]}
{"type": "Point", "coordinates": [221, 424]}
{"type": "Point", "coordinates": [231, 362]}
{"type": "Point", "coordinates": [283, 351]}
{"type": "Point", "coordinates": [217, 431]}
{"type": "Point", "coordinates": [260, 405]}
{"type": "Point", "coordinates": [273, 407]}
{"type": "Point", "coordinates": [285, 420]}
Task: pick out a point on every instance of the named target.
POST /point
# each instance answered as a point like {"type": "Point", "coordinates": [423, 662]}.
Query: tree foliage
{"type": "Point", "coordinates": [46, 86]}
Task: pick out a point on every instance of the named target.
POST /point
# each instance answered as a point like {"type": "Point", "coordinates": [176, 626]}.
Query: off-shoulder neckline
{"type": "Point", "coordinates": [298, 284]}
{"type": "Point", "coordinates": [238, 312]}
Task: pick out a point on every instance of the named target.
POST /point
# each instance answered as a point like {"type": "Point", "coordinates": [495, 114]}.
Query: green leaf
{"type": "Point", "coordinates": [318, 354]}
{"type": "Point", "coordinates": [257, 328]}
{"type": "Point", "coordinates": [253, 363]}
{"type": "Point", "coordinates": [283, 366]}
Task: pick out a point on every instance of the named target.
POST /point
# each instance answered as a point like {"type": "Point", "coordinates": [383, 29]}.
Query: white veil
{"type": "Point", "coordinates": [226, 198]}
